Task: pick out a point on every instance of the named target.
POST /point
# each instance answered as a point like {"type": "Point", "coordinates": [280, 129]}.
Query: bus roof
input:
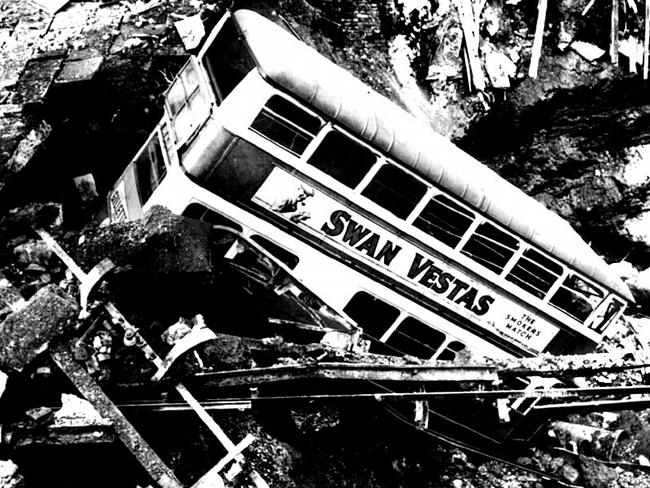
{"type": "Point", "coordinates": [302, 71]}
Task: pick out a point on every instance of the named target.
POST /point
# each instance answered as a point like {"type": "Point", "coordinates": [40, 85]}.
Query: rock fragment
{"type": "Point", "coordinates": [26, 333]}
{"type": "Point", "coordinates": [160, 242]}
{"type": "Point", "coordinates": [9, 476]}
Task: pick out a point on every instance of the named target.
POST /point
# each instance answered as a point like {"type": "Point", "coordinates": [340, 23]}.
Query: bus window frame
{"type": "Point", "coordinates": [426, 199]}
{"type": "Point", "coordinates": [338, 184]}
{"type": "Point", "coordinates": [600, 328]}
{"type": "Point", "coordinates": [565, 277]}
{"type": "Point", "coordinates": [375, 170]}
{"type": "Point", "coordinates": [155, 134]}
{"type": "Point", "coordinates": [288, 122]}
{"type": "Point", "coordinates": [205, 90]}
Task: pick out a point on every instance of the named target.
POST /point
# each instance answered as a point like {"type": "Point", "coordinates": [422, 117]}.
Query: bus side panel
{"type": "Point", "coordinates": [436, 279]}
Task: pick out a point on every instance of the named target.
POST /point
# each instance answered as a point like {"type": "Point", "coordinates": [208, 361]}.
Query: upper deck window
{"type": "Point", "coordinates": [491, 247]}
{"type": "Point", "coordinates": [445, 220]}
{"type": "Point", "coordinates": [577, 297]}
{"type": "Point", "coordinates": [240, 172]}
{"type": "Point", "coordinates": [186, 102]}
{"type": "Point", "coordinates": [395, 190]}
{"type": "Point", "coordinates": [286, 124]}
{"type": "Point", "coordinates": [227, 60]}
{"type": "Point", "coordinates": [342, 158]}
{"type": "Point", "coordinates": [535, 273]}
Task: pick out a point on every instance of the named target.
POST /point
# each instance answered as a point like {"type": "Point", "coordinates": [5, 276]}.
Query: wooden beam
{"type": "Point", "coordinates": [588, 7]}
{"type": "Point", "coordinates": [131, 438]}
{"type": "Point", "coordinates": [646, 39]}
{"type": "Point", "coordinates": [613, 36]}
{"type": "Point", "coordinates": [539, 38]}
{"type": "Point", "coordinates": [348, 371]}
{"type": "Point", "coordinates": [196, 406]}
{"type": "Point", "coordinates": [468, 23]}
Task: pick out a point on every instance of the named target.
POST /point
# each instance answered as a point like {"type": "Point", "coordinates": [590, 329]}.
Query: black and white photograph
{"type": "Point", "coordinates": [324, 243]}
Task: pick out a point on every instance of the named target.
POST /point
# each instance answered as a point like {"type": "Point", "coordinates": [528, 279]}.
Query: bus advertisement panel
{"type": "Point", "coordinates": [288, 196]}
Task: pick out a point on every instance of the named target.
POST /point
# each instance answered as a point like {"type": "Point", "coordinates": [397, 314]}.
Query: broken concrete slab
{"type": "Point", "coordinates": [41, 215]}
{"type": "Point", "coordinates": [191, 30]}
{"type": "Point", "coordinates": [75, 412]}
{"type": "Point", "coordinates": [10, 298]}
{"type": "Point", "coordinates": [32, 252]}
{"type": "Point", "coordinates": [587, 50]}
{"type": "Point", "coordinates": [147, 457]}
{"type": "Point", "coordinates": [86, 187]}
{"type": "Point", "coordinates": [77, 70]}
{"type": "Point", "coordinates": [140, 7]}
{"type": "Point", "coordinates": [9, 476]}
{"type": "Point", "coordinates": [20, 145]}
{"type": "Point", "coordinates": [500, 69]}
{"type": "Point", "coordinates": [20, 47]}
{"type": "Point", "coordinates": [26, 333]}
{"type": "Point", "coordinates": [17, 436]}
{"type": "Point", "coordinates": [37, 77]}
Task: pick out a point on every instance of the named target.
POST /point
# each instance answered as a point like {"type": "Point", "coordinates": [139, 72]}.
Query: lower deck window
{"type": "Point", "coordinates": [204, 214]}
{"type": "Point", "coordinates": [416, 338]}
{"type": "Point", "coordinates": [372, 314]}
{"type": "Point", "coordinates": [288, 258]}
{"type": "Point", "coordinates": [451, 351]}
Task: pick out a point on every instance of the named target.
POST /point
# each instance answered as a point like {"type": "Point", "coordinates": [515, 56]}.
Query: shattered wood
{"type": "Point", "coordinates": [124, 429]}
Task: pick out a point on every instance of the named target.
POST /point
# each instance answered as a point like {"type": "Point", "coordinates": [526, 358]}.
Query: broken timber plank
{"type": "Point", "coordinates": [613, 39]}
{"type": "Point", "coordinates": [203, 414]}
{"type": "Point", "coordinates": [57, 436]}
{"type": "Point", "coordinates": [468, 23]}
{"type": "Point", "coordinates": [637, 403]}
{"type": "Point", "coordinates": [209, 479]}
{"type": "Point", "coordinates": [198, 335]}
{"type": "Point", "coordinates": [147, 457]}
{"type": "Point", "coordinates": [346, 371]}
{"type": "Point", "coordinates": [539, 38]}
{"type": "Point", "coordinates": [588, 7]}
{"type": "Point", "coordinates": [87, 280]}
{"type": "Point", "coordinates": [572, 365]}
{"type": "Point", "coordinates": [646, 39]}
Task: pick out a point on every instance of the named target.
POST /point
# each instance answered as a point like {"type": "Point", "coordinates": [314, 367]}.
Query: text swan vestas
{"type": "Point", "coordinates": [442, 283]}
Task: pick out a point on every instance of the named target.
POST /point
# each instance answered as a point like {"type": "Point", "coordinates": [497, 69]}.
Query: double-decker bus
{"type": "Point", "coordinates": [423, 246]}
